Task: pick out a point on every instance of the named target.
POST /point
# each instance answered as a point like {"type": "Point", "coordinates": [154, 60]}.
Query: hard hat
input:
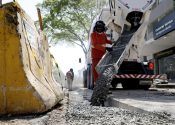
{"type": "Point", "coordinates": [100, 24]}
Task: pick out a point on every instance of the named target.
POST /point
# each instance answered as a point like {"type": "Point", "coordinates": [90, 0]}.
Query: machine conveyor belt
{"type": "Point", "coordinates": [111, 58]}
{"type": "Point", "coordinates": [106, 68]}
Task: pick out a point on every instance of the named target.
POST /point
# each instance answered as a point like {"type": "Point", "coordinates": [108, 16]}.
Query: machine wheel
{"type": "Point", "coordinates": [145, 87]}
{"type": "Point", "coordinates": [125, 85]}
{"type": "Point", "coordinates": [114, 86]}
{"type": "Point", "coordinates": [114, 83]}
{"type": "Point", "coordinates": [130, 84]}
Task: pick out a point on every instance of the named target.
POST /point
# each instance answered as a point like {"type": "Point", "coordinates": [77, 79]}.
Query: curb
{"type": "Point", "coordinates": [111, 102]}
{"type": "Point", "coordinates": [165, 86]}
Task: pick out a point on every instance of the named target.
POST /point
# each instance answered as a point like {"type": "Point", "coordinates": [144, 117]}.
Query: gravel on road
{"type": "Point", "coordinates": [76, 110]}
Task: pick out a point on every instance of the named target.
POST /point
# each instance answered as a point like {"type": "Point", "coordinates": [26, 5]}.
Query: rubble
{"type": "Point", "coordinates": [75, 110]}
{"type": "Point", "coordinates": [101, 89]}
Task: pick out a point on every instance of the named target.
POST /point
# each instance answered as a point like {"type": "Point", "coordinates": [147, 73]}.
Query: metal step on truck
{"type": "Point", "coordinates": [127, 23]}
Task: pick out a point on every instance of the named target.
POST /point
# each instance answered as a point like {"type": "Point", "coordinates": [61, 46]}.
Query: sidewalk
{"type": "Point", "coordinates": [153, 101]}
{"type": "Point", "coordinates": [170, 85]}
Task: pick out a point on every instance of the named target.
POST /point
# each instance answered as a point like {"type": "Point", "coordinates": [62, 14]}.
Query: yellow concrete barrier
{"type": "Point", "coordinates": [27, 84]}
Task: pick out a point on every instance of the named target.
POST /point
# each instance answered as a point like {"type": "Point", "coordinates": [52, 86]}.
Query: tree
{"type": "Point", "coordinates": [68, 20]}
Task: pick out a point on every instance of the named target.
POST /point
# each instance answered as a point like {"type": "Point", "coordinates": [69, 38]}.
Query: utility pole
{"type": "Point", "coordinates": [40, 19]}
{"type": "Point", "coordinates": [0, 3]}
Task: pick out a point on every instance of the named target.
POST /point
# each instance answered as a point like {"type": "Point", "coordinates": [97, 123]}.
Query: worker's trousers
{"type": "Point", "coordinates": [69, 84]}
{"type": "Point", "coordinates": [94, 64]}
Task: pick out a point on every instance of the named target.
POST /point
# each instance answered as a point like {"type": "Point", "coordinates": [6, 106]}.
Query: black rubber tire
{"type": "Point", "coordinates": [130, 84]}
{"type": "Point", "coordinates": [125, 85]}
{"type": "Point", "coordinates": [114, 85]}
{"type": "Point", "coordinates": [145, 87]}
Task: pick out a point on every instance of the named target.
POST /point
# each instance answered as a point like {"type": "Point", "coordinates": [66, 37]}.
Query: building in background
{"type": "Point", "coordinates": [160, 38]}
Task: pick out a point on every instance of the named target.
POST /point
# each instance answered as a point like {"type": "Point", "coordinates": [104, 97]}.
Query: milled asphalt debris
{"type": "Point", "coordinates": [77, 111]}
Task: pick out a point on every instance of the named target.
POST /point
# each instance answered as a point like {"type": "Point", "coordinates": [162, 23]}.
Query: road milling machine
{"type": "Point", "coordinates": [27, 84]}
{"type": "Point", "coordinates": [127, 22]}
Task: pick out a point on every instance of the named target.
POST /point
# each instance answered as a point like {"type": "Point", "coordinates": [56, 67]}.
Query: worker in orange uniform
{"type": "Point", "coordinates": [98, 45]}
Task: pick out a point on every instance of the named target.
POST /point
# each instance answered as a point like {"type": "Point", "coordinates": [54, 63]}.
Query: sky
{"type": "Point", "coordinates": [66, 56]}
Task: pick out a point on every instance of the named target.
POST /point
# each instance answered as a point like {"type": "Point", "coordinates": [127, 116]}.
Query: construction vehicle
{"type": "Point", "coordinates": [26, 79]}
{"type": "Point", "coordinates": [127, 22]}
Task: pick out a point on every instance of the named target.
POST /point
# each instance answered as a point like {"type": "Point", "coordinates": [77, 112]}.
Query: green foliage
{"type": "Point", "coordinates": [68, 20]}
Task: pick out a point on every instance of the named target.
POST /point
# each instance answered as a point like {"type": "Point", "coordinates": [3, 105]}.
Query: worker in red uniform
{"type": "Point", "coordinates": [98, 45]}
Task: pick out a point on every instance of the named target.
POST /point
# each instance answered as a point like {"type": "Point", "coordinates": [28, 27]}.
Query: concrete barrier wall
{"type": "Point", "coordinates": [26, 81]}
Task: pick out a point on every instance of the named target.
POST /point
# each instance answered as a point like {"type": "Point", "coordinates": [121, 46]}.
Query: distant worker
{"type": "Point", "coordinates": [98, 45]}
{"type": "Point", "coordinates": [70, 78]}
